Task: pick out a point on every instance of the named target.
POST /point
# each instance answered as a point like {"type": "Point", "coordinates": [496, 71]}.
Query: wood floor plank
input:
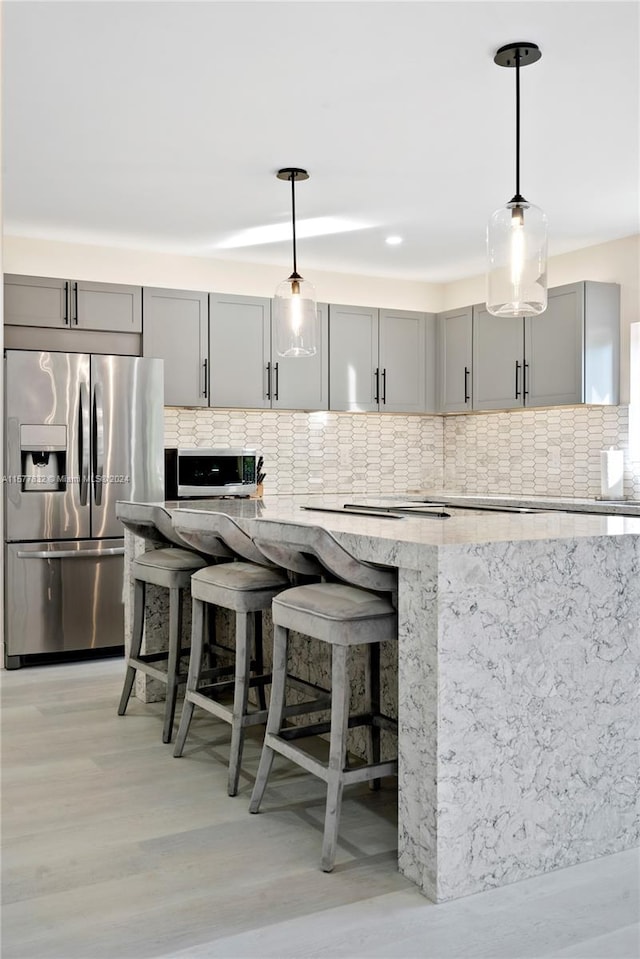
{"type": "Point", "coordinates": [113, 849]}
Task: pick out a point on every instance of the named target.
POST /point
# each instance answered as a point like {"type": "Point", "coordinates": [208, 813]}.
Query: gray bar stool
{"type": "Point", "coordinates": [171, 567]}
{"type": "Point", "coordinates": [358, 610]}
{"type": "Point", "coordinates": [247, 587]}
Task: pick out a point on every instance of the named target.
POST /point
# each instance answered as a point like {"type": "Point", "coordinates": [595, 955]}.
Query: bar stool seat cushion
{"type": "Point", "coordinates": [238, 576]}
{"type": "Point", "coordinates": [335, 601]}
{"type": "Point", "coordinates": [171, 558]}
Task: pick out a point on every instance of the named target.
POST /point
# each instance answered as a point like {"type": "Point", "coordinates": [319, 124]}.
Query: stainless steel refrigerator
{"type": "Point", "coordinates": [82, 431]}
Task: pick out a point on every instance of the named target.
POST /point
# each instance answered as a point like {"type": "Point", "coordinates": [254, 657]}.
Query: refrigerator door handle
{"type": "Point", "coordinates": [98, 443]}
{"type": "Point", "coordinates": [83, 442]}
{"type": "Point", "coordinates": [70, 553]}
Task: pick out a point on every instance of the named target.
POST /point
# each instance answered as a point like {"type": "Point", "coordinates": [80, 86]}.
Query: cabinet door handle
{"type": "Point", "coordinates": [517, 380]}
{"type": "Point", "coordinates": [205, 369]}
{"type": "Point", "coordinates": [525, 380]}
{"type": "Point", "coordinates": [277, 370]}
{"type": "Point", "coordinates": [65, 315]}
{"type": "Point", "coordinates": [268, 381]}
{"type": "Point", "coordinates": [466, 384]}
{"type": "Point", "coordinates": [384, 385]}
{"type": "Point", "coordinates": [377, 376]}
{"type": "Point", "coordinates": [75, 303]}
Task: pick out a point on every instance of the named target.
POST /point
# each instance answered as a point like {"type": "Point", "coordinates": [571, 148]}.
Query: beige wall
{"type": "Point", "coordinates": [114, 265]}
{"type": "Point", "coordinates": [614, 262]}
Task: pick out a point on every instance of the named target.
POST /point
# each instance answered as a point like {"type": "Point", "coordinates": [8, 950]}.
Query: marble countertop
{"type": "Point", "coordinates": [463, 526]}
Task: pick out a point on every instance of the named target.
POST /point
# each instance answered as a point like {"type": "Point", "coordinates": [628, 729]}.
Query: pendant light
{"type": "Point", "coordinates": [294, 305]}
{"type": "Point", "coordinates": [517, 233]}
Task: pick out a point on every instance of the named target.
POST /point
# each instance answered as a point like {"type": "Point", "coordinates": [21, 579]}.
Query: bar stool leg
{"type": "Point", "coordinates": [337, 753]}
{"type": "Point", "coordinates": [175, 636]}
{"type": "Point", "coordinates": [276, 711]}
{"type": "Point", "coordinates": [245, 628]}
{"type": "Point", "coordinates": [372, 705]}
{"type": "Point", "coordinates": [137, 632]}
{"type": "Point", "coordinates": [259, 658]}
{"type": "Point", "coordinates": [193, 677]}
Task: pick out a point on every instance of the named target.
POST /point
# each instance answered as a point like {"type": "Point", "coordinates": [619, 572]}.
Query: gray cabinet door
{"type": "Point", "coordinates": [354, 373]}
{"type": "Point", "coordinates": [106, 306]}
{"type": "Point", "coordinates": [402, 361]}
{"type": "Point", "coordinates": [242, 374]}
{"type": "Point", "coordinates": [455, 338]}
{"type": "Point", "coordinates": [176, 330]}
{"type": "Point", "coordinates": [498, 361]}
{"type": "Point", "coordinates": [302, 383]}
{"type": "Point", "coordinates": [554, 350]}
{"type": "Point", "coordinates": [36, 301]}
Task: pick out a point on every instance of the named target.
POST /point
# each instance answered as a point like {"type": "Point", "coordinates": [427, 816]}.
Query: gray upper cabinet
{"type": "Point", "coordinates": [569, 354]}
{"type": "Point", "coordinates": [403, 380]}
{"type": "Point", "coordinates": [455, 359]}
{"type": "Point", "coordinates": [572, 350]}
{"type": "Point", "coordinates": [240, 351]}
{"type": "Point", "coordinates": [377, 359]}
{"type": "Point", "coordinates": [353, 358]}
{"type": "Point", "coordinates": [176, 329]}
{"type": "Point", "coordinates": [302, 383]}
{"type": "Point", "coordinates": [68, 304]}
{"type": "Point", "coordinates": [498, 361]}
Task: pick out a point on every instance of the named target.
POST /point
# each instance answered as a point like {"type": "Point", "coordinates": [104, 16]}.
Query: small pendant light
{"type": "Point", "coordinates": [295, 312]}
{"type": "Point", "coordinates": [517, 233]}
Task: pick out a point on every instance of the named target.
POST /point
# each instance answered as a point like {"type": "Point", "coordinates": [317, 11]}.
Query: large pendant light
{"type": "Point", "coordinates": [294, 305]}
{"type": "Point", "coordinates": [517, 233]}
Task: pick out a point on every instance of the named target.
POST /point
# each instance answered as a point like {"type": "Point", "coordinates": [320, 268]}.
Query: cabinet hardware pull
{"type": "Point", "coordinates": [275, 392]}
{"type": "Point", "coordinates": [384, 385]}
{"type": "Point", "coordinates": [65, 315]}
{"type": "Point", "coordinates": [377, 376]}
{"type": "Point", "coordinates": [517, 380]}
{"type": "Point", "coordinates": [268, 381]}
{"type": "Point", "coordinates": [466, 384]}
{"type": "Point", "coordinates": [525, 380]}
{"type": "Point", "coordinates": [75, 303]}
{"type": "Point", "coordinates": [205, 367]}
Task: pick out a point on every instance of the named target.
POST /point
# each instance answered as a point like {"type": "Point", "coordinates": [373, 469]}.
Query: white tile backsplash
{"type": "Point", "coordinates": [552, 452]}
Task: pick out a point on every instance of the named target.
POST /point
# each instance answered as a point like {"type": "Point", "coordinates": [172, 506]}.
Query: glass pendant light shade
{"type": "Point", "coordinates": [295, 312]}
{"type": "Point", "coordinates": [517, 260]}
{"type": "Point", "coordinates": [295, 316]}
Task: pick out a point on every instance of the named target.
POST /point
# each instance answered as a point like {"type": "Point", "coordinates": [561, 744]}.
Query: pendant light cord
{"type": "Point", "coordinates": [293, 216]}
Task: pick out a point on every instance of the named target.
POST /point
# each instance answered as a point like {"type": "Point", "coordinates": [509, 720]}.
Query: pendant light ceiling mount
{"type": "Point", "coordinates": [292, 173]}
{"type": "Point", "coordinates": [517, 233]}
{"type": "Point", "coordinates": [510, 53]}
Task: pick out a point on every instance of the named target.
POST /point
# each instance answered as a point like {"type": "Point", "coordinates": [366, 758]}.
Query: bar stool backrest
{"type": "Point", "coordinates": [291, 545]}
{"type": "Point", "coordinates": [154, 522]}
{"type": "Point", "coordinates": [222, 533]}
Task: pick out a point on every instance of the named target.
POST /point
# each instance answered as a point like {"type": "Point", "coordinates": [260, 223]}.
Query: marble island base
{"type": "Point", "coordinates": [518, 677]}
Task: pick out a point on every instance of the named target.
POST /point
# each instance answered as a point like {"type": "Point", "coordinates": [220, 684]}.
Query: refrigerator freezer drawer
{"type": "Point", "coordinates": [64, 596]}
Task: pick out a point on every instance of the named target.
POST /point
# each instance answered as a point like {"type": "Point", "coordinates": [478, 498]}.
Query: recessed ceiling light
{"type": "Point", "coordinates": [393, 240]}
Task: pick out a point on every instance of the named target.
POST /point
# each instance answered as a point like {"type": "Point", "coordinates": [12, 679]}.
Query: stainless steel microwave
{"type": "Point", "coordinates": [210, 472]}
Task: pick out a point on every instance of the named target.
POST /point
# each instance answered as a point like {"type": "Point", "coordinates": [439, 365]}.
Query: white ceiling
{"type": "Point", "coordinates": [161, 125]}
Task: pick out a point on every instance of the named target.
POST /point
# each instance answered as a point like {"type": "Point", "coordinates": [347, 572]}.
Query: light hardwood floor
{"type": "Point", "coordinates": [113, 849]}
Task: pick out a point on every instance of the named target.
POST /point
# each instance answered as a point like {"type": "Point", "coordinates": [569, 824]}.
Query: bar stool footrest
{"type": "Point", "coordinates": [321, 770]}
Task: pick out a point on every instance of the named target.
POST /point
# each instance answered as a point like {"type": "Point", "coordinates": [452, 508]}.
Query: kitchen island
{"type": "Point", "coordinates": [518, 668]}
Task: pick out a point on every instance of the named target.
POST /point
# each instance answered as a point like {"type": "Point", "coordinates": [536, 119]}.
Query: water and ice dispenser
{"type": "Point", "coordinates": [43, 451]}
